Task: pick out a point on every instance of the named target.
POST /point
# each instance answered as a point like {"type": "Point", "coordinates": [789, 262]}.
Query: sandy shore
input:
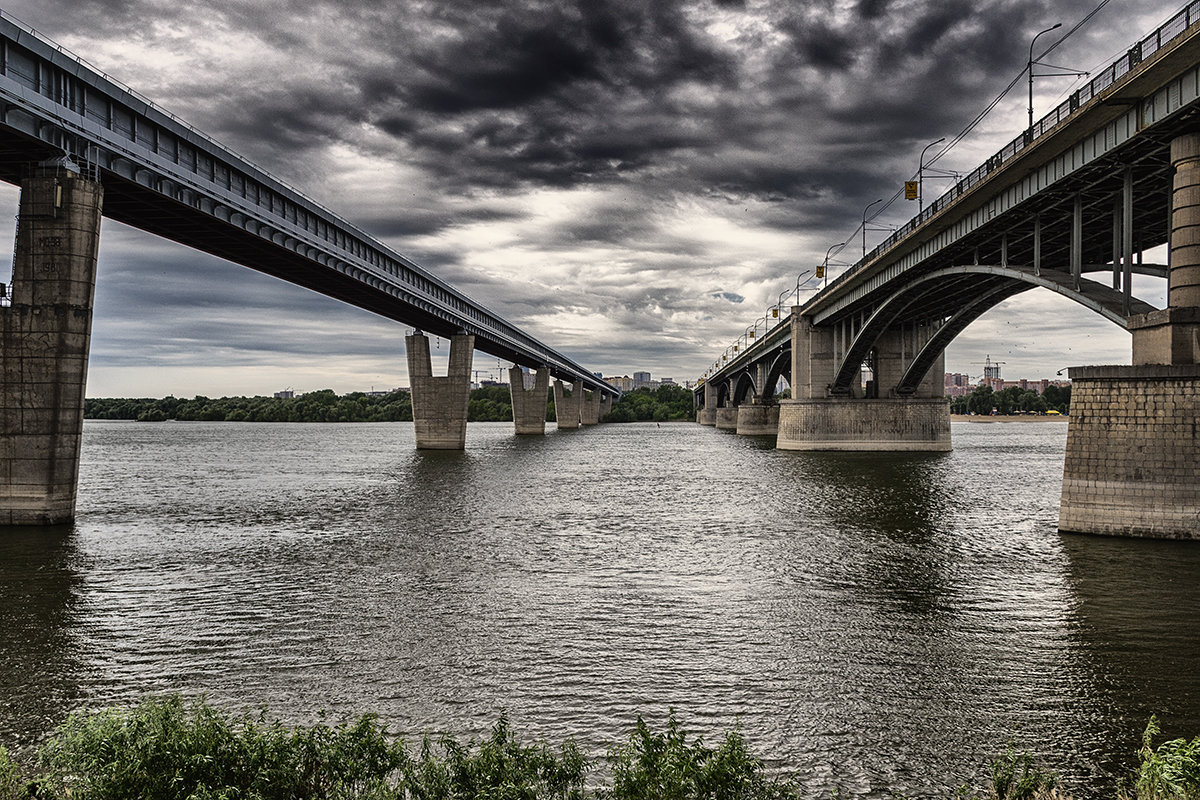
{"type": "Point", "coordinates": [1022, 418]}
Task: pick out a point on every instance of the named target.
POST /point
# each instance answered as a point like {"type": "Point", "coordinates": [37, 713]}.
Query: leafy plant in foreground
{"type": "Point", "coordinates": [665, 766]}
{"type": "Point", "coordinates": [11, 785]}
{"type": "Point", "coordinates": [163, 749]}
{"type": "Point", "coordinates": [1169, 772]}
{"type": "Point", "coordinates": [1016, 777]}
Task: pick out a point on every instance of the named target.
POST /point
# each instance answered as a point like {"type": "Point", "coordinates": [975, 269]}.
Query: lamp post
{"type": "Point", "coordinates": [779, 302]}
{"type": "Point", "coordinates": [796, 291]}
{"type": "Point", "coordinates": [1035, 38]}
{"type": "Point", "coordinates": [921, 176]}
{"type": "Point", "coordinates": [825, 265]}
{"type": "Point", "coordinates": [864, 225]}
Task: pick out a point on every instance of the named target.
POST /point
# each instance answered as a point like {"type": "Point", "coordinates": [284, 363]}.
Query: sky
{"type": "Point", "coordinates": [634, 182]}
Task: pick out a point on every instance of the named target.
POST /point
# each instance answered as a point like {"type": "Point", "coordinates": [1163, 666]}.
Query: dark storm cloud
{"type": "Point", "coordinates": [463, 123]}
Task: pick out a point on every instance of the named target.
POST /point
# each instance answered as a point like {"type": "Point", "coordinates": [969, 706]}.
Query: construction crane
{"type": "Point", "coordinates": [991, 369]}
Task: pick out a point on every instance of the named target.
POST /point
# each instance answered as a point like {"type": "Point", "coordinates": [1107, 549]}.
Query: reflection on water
{"type": "Point", "coordinates": [1135, 607]}
{"type": "Point", "coordinates": [38, 648]}
{"type": "Point", "coordinates": [877, 622]}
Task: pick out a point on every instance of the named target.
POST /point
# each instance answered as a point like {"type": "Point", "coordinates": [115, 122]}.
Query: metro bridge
{"type": "Point", "coordinates": [1111, 173]}
{"type": "Point", "coordinates": [81, 145]}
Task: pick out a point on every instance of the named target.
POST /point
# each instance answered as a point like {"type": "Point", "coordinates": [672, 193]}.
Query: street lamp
{"type": "Point", "coordinates": [825, 264]}
{"type": "Point", "coordinates": [921, 176]}
{"type": "Point", "coordinates": [864, 225]}
{"type": "Point", "coordinates": [1035, 38]}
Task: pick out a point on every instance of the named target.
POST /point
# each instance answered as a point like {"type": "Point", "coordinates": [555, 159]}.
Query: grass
{"type": "Point", "coordinates": [170, 749]}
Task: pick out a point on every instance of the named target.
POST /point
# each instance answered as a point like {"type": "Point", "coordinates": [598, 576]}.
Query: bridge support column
{"type": "Point", "coordinates": [1131, 465]}
{"type": "Point", "coordinates": [529, 405]}
{"type": "Point", "coordinates": [1172, 335]}
{"type": "Point", "coordinates": [566, 407]}
{"type": "Point", "coordinates": [917, 424]}
{"type": "Point", "coordinates": [440, 404]}
{"type": "Point", "coordinates": [813, 420]}
{"type": "Point", "coordinates": [755, 419]}
{"type": "Point", "coordinates": [707, 415]}
{"type": "Point", "coordinates": [44, 342]}
{"type": "Point", "coordinates": [894, 352]}
{"type": "Point", "coordinates": [727, 418]}
{"type": "Point", "coordinates": [605, 406]}
{"type": "Point", "coordinates": [589, 408]}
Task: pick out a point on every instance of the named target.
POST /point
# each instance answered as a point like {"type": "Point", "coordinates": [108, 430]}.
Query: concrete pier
{"type": "Point", "coordinates": [921, 425]}
{"type": "Point", "coordinates": [589, 408]}
{"type": "Point", "coordinates": [566, 406]}
{"type": "Point", "coordinates": [814, 420]}
{"type": "Point", "coordinates": [605, 406]}
{"type": "Point", "coordinates": [758, 420]}
{"type": "Point", "coordinates": [727, 418]}
{"type": "Point", "coordinates": [707, 415]}
{"type": "Point", "coordinates": [45, 337]}
{"type": "Point", "coordinates": [529, 405]}
{"type": "Point", "coordinates": [1131, 464]}
{"type": "Point", "coordinates": [440, 404]}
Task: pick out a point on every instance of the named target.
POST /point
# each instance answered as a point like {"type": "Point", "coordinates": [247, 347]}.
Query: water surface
{"type": "Point", "coordinates": [876, 622]}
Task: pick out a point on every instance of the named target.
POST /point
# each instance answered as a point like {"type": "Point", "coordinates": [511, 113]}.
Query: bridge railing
{"type": "Point", "coordinates": [1173, 28]}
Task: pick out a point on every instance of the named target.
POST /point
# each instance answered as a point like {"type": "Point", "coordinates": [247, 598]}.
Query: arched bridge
{"type": "Point", "coordinates": [1070, 205]}
{"type": "Point", "coordinates": [1086, 191]}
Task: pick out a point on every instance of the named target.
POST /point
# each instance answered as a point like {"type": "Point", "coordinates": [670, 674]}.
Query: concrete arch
{"type": "Point", "coordinates": [779, 367]}
{"type": "Point", "coordinates": [967, 292]}
{"type": "Point", "coordinates": [743, 388]}
{"type": "Point", "coordinates": [724, 393]}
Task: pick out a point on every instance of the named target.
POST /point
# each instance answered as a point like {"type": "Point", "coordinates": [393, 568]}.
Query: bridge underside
{"type": "Point", "coordinates": [240, 240]}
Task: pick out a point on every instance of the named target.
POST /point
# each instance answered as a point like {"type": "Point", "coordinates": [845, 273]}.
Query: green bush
{"type": "Point", "coordinates": [1016, 777]}
{"type": "Point", "coordinates": [163, 749]}
{"type": "Point", "coordinates": [169, 749]}
{"type": "Point", "coordinates": [665, 766]}
{"type": "Point", "coordinates": [1169, 772]}
{"type": "Point", "coordinates": [11, 785]}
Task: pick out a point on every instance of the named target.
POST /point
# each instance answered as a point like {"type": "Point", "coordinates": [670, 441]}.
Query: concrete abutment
{"type": "Point", "coordinates": [917, 424]}
{"type": "Point", "coordinates": [44, 343]}
{"type": "Point", "coordinates": [1131, 466]}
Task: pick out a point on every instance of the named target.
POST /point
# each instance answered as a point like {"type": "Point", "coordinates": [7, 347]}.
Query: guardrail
{"type": "Point", "coordinates": [1141, 50]}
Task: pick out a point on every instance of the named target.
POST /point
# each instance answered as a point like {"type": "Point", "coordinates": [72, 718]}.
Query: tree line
{"type": "Point", "coordinates": [1013, 400]}
{"type": "Point", "coordinates": [486, 404]}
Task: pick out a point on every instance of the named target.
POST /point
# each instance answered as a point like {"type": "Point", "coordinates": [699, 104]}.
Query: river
{"type": "Point", "coordinates": [875, 622]}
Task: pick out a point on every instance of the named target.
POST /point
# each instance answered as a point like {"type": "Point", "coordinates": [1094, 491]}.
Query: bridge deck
{"type": "Point", "coordinates": [167, 178]}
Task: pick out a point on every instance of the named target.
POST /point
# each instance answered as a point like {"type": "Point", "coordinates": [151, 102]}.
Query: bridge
{"type": "Point", "coordinates": [1111, 173]}
{"type": "Point", "coordinates": [81, 145]}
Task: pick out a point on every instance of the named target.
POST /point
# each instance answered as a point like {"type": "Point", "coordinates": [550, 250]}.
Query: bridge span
{"type": "Point", "coordinates": [1111, 173]}
{"type": "Point", "coordinates": [81, 145]}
